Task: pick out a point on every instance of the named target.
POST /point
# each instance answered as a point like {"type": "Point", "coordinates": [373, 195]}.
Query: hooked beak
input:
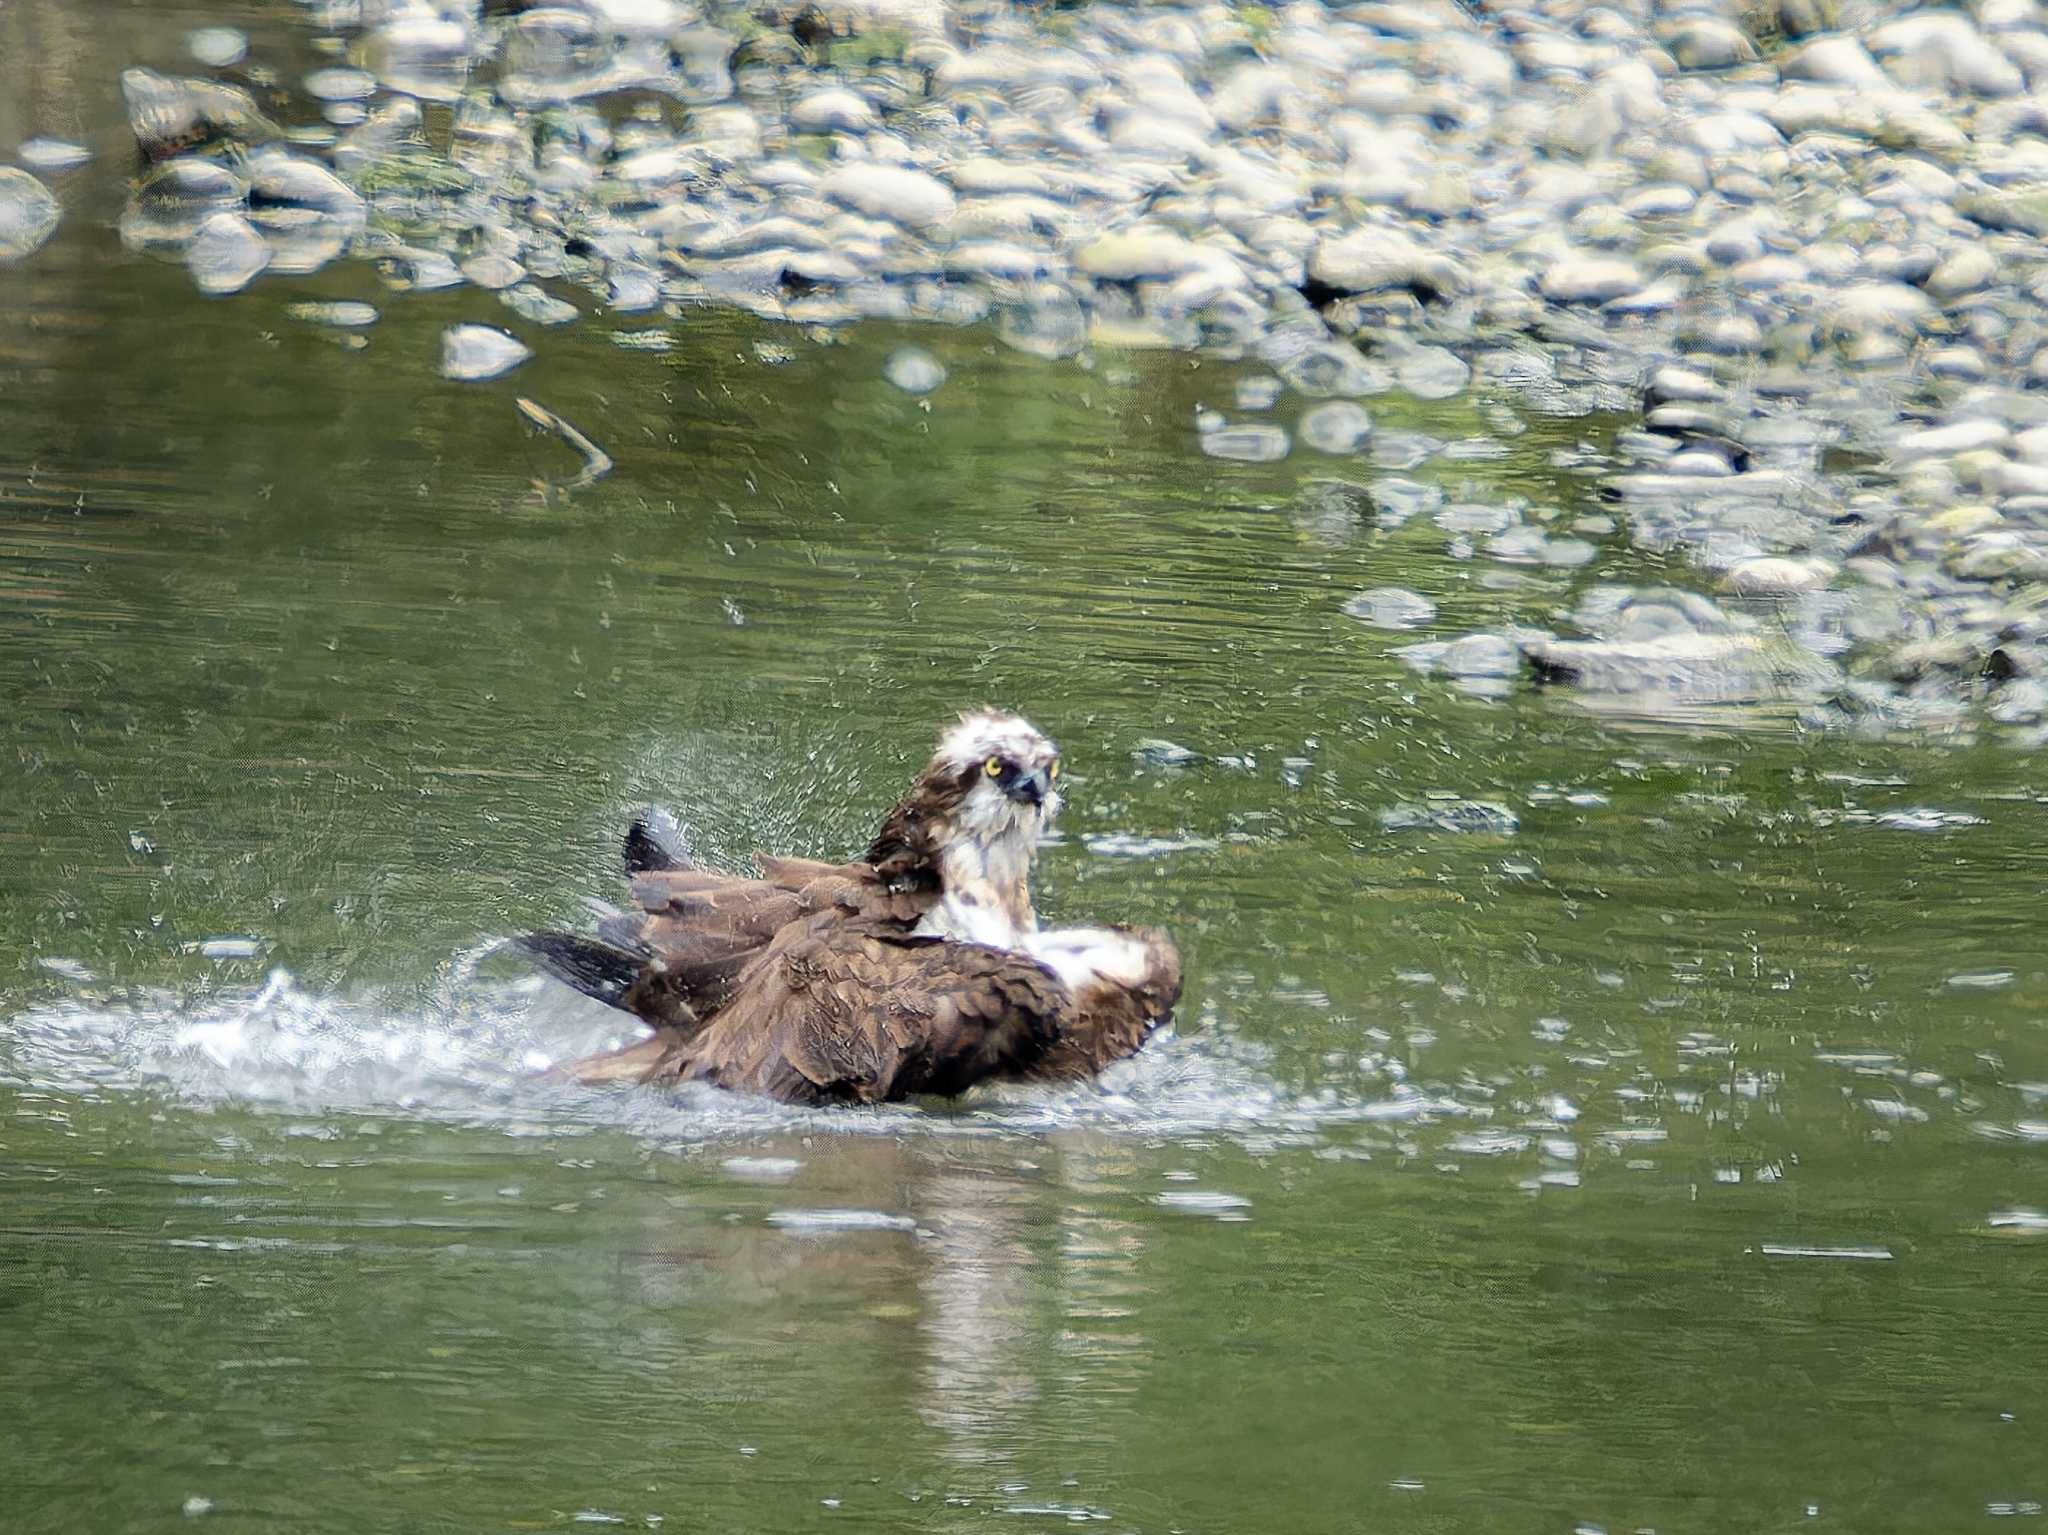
{"type": "Point", "coordinates": [1030, 788]}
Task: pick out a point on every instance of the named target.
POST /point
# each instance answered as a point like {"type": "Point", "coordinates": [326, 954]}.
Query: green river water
{"type": "Point", "coordinates": [1673, 1161]}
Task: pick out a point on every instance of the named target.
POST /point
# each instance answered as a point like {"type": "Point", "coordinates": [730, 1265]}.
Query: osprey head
{"type": "Point", "coordinates": [1006, 774]}
{"type": "Point", "coordinates": [967, 831]}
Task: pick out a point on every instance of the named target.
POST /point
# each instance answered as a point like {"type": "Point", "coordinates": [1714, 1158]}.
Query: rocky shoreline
{"type": "Point", "coordinates": [1798, 248]}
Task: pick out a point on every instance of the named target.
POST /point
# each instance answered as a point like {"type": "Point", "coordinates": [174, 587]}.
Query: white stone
{"type": "Point", "coordinates": [1589, 280]}
{"type": "Point", "coordinates": [226, 254]}
{"type": "Point", "coordinates": [1947, 441]}
{"type": "Point", "coordinates": [1374, 258]}
{"type": "Point", "coordinates": [470, 353]}
{"type": "Point", "coordinates": [832, 111]}
{"type": "Point", "coordinates": [28, 214]}
{"type": "Point", "coordinates": [1770, 575]}
{"type": "Point", "coordinates": [889, 191]}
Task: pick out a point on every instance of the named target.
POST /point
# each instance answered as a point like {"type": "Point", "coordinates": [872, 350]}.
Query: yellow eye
{"type": "Point", "coordinates": [1052, 770]}
{"type": "Point", "coordinates": [994, 766]}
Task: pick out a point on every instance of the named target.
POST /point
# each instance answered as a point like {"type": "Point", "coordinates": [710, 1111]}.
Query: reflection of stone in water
{"type": "Point", "coordinates": [977, 1319]}
{"type": "Point", "coordinates": [1103, 1350]}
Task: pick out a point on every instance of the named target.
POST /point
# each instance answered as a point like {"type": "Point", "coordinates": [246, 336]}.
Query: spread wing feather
{"type": "Point", "coordinates": [835, 1011]}
{"type": "Point", "coordinates": [808, 984]}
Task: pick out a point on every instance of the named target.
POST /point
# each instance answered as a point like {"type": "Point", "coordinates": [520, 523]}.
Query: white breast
{"type": "Point", "coordinates": [1086, 957]}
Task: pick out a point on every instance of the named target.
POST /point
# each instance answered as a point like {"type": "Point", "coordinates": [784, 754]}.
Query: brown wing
{"type": "Point", "coordinates": [701, 930]}
{"type": "Point", "coordinates": [835, 1010]}
{"type": "Point", "coordinates": [1110, 1019]}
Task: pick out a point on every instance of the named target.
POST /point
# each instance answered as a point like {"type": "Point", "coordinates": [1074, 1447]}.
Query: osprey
{"type": "Point", "coordinates": [919, 968]}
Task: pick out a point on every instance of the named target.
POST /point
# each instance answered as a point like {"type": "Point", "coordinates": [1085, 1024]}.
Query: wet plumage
{"type": "Point", "coordinates": [919, 968]}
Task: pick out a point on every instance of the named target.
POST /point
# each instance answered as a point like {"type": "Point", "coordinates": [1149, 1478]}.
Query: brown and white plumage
{"type": "Point", "coordinates": [920, 968]}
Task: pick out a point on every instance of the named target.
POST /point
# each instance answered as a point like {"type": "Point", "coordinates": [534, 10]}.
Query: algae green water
{"type": "Point", "coordinates": [1670, 1158]}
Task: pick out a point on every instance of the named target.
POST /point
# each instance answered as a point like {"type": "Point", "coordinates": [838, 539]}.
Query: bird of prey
{"type": "Point", "coordinates": [918, 968]}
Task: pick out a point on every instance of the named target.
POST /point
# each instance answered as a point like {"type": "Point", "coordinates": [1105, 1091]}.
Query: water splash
{"type": "Point", "coordinates": [478, 1050]}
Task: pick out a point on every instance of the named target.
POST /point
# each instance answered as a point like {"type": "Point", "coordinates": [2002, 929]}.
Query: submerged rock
{"type": "Point", "coordinates": [1391, 607]}
{"type": "Point", "coordinates": [1257, 444]}
{"type": "Point", "coordinates": [913, 370]}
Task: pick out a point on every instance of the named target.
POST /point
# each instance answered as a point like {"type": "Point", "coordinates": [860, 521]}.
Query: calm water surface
{"type": "Point", "coordinates": [1671, 1157]}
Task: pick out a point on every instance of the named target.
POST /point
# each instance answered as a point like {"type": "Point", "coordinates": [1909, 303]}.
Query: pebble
{"type": "Point", "coordinates": [913, 370]}
{"type": "Point", "coordinates": [832, 111]}
{"type": "Point", "coordinates": [1566, 213]}
{"type": "Point", "coordinates": [1261, 392]}
{"type": "Point", "coordinates": [909, 197]}
{"type": "Point", "coordinates": [1391, 607]}
{"type": "Point", "coordinates": [471, 353]}
{"type": "Point", "coordinates": [492, 271]}
{"type": "Point", "coordinates": [52, 156]}
{"type": "Point", "coordinates": [1590, 280]}
{"type": "Point", "coordinates": [217, 47]}
{"type": "Point", "coordinates": [28, 214]}
{"type": "Point", "coordinates": [1337, 426]}
{"type": "Point", "coordinates": [1774, 577]}
{"type": "Point", "coordinates": [530, 301]}
{"type": "Point", "coordinates": [343, 314]}
{"type": "Point", "coordinates": [1256, 444]}
{"type": "Point", "coordinates": [1374, 259]}
{"type": "Point", "coordinates": [1432, 373]}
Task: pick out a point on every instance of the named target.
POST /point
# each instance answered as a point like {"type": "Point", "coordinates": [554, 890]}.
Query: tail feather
{"type": "Point", "coordinates": [598, 969]}
{"type": "Point", "coordinates": [655, 842]}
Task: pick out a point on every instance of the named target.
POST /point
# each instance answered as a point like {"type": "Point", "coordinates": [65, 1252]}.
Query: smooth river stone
{"type": "Point", "coordinates": [226, 255]}
{"type": "Point", "coordinates": [1391, 607]}
{"type": "Point", "coordinates": [472, 353]}
{"type": "Point", "coordinates": [1338, 426]}
{"type": "Point", "coordinates": [28, 214]}
{"type": "Point", "coordinates": [1246, 444]}
{"type": "Point", "coordinates": [1590, 280]}
{"type": "Point", "coordinates": [832, 111]}
{"type": "Point", "coordinates": [889, 191]}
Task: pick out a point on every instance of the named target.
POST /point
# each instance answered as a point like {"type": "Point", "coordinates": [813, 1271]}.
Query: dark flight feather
{"type": "Point", "coordinates": [655, 842]}
{"type": "Point", "coordinates": [595, 968]}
